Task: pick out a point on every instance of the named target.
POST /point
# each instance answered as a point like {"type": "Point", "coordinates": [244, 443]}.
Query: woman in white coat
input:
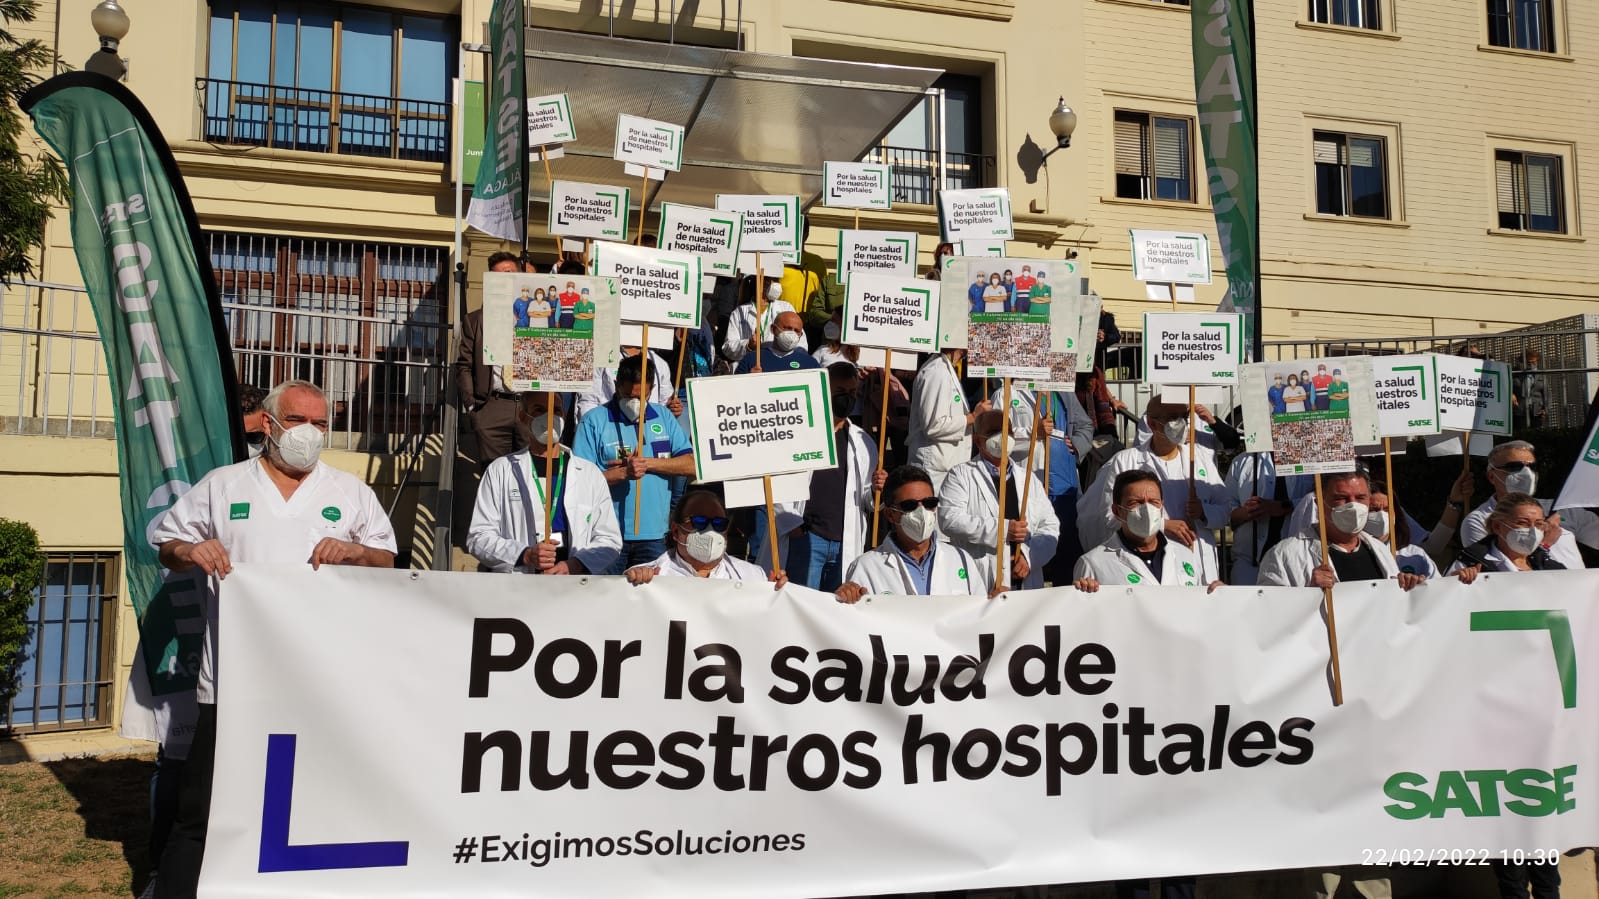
{"type": "Point", "coordinates": [1138, 552]}
{"type": "Point", "coordinates": [1514, 541]}
{"type": "Point", "coordinates": [913, 559]}
{"type": "Point", "coordinates": [968, 512]}
{"type": "Point", "coordinates": [941, 426]}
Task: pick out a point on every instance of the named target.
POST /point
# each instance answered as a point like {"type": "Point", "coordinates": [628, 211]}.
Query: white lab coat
{"type": "Point", "coordinates": [882, 572]}
{"type": "Point", "coordinates": [1290, 562]}
{"type": "Point", "coordinates": [1475, 527]}
{"type": "Point", "coordinates": [604, 388]}
{"type": "Point", "coordinates": [1493, 560]}
{"type": "Point", "coordinates": [968, 514]}
{"type": "Point", "coordinates": [857, 497]}
{"type": "Point", "coordinates": [741, 327]}
{"type": "Point", "coordinates": [499, 531]}
{"type": "Point", "coordinates": [1096, 519]}
{"type": "Point", "coordinates": [728, 569]}
{"type": "Point", "coordinates": [939, 438]}
{"type": "Point", "coordinates": [1112, 562]}
{"type": "Point", "coordinates": [1024, 406]}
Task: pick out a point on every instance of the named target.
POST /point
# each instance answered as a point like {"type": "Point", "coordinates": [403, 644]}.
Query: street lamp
{"type": "Point", "coordinates": [1063, 121]}
{"type": "Point", "coordinates": [111, 24]}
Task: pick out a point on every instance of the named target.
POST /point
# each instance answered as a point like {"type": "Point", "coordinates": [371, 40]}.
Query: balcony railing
{"type": "Point", "coordinates": [914, 173]}
{"type": "Point", "coordinates": [265, 115]}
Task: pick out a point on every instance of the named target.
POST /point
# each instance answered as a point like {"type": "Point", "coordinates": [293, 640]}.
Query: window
{"type": "Point", "coordinates": [329, 79]}
{"type": "Point", "coordinates": [1349, 13]}
{"type": "Point", "coordinates": [911, 147]}
{"type": "Point", "coordinates": [1154, 157]}
{"type": "Point", "coordinates": [67, 664]}
{"type": "Point", "coordinates": [1530, 192]}
{"type": "Point", "coordinates": [1522, 24]}
{"type": "Point", "coordinates": [1351, 174]}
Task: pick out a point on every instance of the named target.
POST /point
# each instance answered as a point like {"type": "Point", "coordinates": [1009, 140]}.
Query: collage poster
{"type": "Point", "coordinates": [1315, 411]}
{"type": "Point", "coordinates": [1010, 306]}
{"type": "Point", "coordinates": [550, 332]}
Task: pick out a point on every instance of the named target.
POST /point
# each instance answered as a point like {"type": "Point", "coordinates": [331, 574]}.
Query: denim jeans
{"type": "Point", "coordinates": [815, 561]}
{"type": "Point", "coordinates": [637, 552]}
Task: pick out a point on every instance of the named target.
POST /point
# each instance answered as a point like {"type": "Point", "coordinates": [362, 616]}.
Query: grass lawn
{"type": "Point", "coordinates": [74, 828]}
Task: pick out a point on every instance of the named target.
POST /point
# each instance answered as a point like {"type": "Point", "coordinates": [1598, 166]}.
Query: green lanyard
{"type": "Point", "coordinates": [560, 478]}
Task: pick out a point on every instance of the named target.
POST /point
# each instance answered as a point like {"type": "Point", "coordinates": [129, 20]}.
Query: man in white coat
{"type": "Point", "coordinates": [941, 426]}
{"type": "Point", "coordinates": [913, 559]}
{"type": "Point", "coordinates": [1166, 455]}
{"type": "Point", "coordinates": [968, 512]}
{"type": "Point", "coordinates": [1139, 552]}
{"type": "Point", "coordinates": [508, 530]}
{"type": "Point", "coordinates": [1354, 555]}
{"type": "Point", "coordinates": [697, 547]}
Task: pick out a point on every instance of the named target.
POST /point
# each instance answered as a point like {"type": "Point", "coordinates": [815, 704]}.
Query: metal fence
{"type": "Point", "coordinates": [265, 115]}
{"type": "Point", "coordinates": [914, 172]}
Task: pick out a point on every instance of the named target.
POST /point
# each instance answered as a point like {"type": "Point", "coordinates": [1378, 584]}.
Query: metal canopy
{"type": "Point", "coordinates": [755, 123]}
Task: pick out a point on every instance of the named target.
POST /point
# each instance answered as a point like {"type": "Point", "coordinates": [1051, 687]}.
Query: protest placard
{"type": "Point", "coordinates": [988, 248]}
{"type": "Point", "coordinates": [1192, 348]}
{"type": "Point", "coordinates": [1311, 414]}
{"type": "Point", "coordinates": [549, 120]}
{"type": "Point", "coordinates": [772, 222]}
{"type": "Point", "coordinates": [1473, 395]}
{"type": "Point", "coordinates": [1011, 311]}
{"type": "Point", "coordinates": [955, 307]}
{"type": "Point", "coordinates": [1407, 395]}
{"type": "Point", "coordinates": [891, 253]}
{"type": "Point", "coordinates": [658, 287]}
{"type": "Point", "coordinates": [980, 214]}
{"type": "Point", "coordinates": [761, 424]}
{"type": "Point", "coordinates": [1088, 313]}
{"type": "Point", "coordinates": [549, 332]}
{"type": "Point", "coordinates": [856, 185]}
{"type": "Point", "coordinates": [710, 234]}
{"type": "Point", "coordinates": [595, 211]}
{"type": "Point", "coordinates": [649, 143]}
{"type": "Point", "coordinates": [891, 313]}
{"type": "Point", "coordinates": [1172, 256]}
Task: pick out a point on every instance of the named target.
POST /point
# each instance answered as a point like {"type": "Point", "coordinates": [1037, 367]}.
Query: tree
{"type": "Point", "coordinates": [21, 570]}
{"type": "Point", "coordinates": [31, 183]}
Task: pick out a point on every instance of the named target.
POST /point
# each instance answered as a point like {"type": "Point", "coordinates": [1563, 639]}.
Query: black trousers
{"type": "Point", "coordinates": [1514, 880]}
{"type": "Point", "coordinates": [178, 874]}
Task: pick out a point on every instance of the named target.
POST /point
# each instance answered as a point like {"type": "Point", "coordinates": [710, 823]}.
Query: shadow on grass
{"type": "Point", "coordinates": [113, 797]}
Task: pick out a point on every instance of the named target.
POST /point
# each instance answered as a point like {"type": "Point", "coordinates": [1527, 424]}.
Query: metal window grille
{"type": "Point", "coordinates": [67, 666]}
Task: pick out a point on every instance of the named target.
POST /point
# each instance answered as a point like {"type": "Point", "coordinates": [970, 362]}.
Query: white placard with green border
{"type": "Point", "coordinates": [772, 222]}
{"type": "Point", "coordinates": [1192, 348]}
{"type": "Point", "coordinates": [856, 185]}
{"type": "Point", "coordinates": [891, 313]}
{"type": "Point", "coordinates": [549, 120]}
{"type": "Point", "coordinates": [761, 424]}
{"type": "Point", "coordinates": [1407, 395]}
{"type": "Point", "coordinates": [593, 211]}
{"type": "Point", "coordinates": [890, 253]}
{"type": "Point", "coordinates": [1088, 329]}
{"type": "Point", "coordinates": [650, 143]}
{"type": "Point", "coordinates": [1171, 256]}
{"type": "Point", "coordinates": [988, 248]}
{"type": "Point", "coordinates": [549, 332]}
{"type": "Point", "coordinates": [981, 214]}
{"type": "Point", "coordinates": [1473, 395]}
{"type": "Point", "coordinates": [658, 287]}
{"type": "Point", "coordinates": [711, 234]}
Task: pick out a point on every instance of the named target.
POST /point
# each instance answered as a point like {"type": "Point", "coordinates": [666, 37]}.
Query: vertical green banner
{"type": "Point", "coordinates": [1224, 82]}
{"type": "Point", "coordinates": [471, 131]}
{"type": "Point", "coordinates": [499, 194]}
{"type": "Point", "coordinates": [160, 320]}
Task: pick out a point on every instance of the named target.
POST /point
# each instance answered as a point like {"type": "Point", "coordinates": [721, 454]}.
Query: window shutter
{"type": "Point", "coordinates": [1506, 186]}
{"type": "Point", "coordinates": [1171, 149]}
{"type": "Point", "coordinates": [1130, 153]}
{"type": "Point", "coordinates": [1327, 151]}
{"type": "Point", "coordinates": [1542, 184]}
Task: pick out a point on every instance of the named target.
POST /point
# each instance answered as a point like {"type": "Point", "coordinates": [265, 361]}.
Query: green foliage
{"type": "Point", "coordinates": [21, 570]}
{"type": "Point", "coordinates": [31, 179]}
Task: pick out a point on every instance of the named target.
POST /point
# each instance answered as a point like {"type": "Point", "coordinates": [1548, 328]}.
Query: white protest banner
{"type": "Point", "coordinates": [649, 143]}
{"type": "Point", "coordinates": [891, 313]}
{"type": "Point", "coordinates": [1171, 256]}
{"type": "Point", "coordinates": [658, 287]}
{"type": "Point", "coordinates": [1582, 485]}
{"type": "Point", "coordinates": [891, 253]}
{"type": "Point", "coordinates": [1192, 348]}
{"type": "Point", "coordinates": [761, 424]}
{"type": "Point", "coordinates": [710, 234]}
{"type": "Point", "coordinates": [595, 211]}
{"type": "Point", "coordinates": [549, 120]}
{"type": "Point", "coordinates": [856, 185]}
{"type": "Point", "coordinates": [551, 332]}
{"type": "Point", "coordinates": [1407, 395]}
{"type": "Point", "coordinates": [712, 738]}
{"type": "Point", "coordinates": [772, 223]}
{"type": "Point", "coordinates": [980, 214]}
{"type": "Point", "coordinates": [1473, 395]}
{"type": "Point", "coordinates": [988, 248]}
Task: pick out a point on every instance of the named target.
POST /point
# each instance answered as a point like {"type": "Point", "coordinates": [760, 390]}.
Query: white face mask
{"type": "Point", "coordinates": [1350, 518]}
{"type": "Point", "coordinates": [297, 448]}
{"type": "Point", "coordinates": [831, 330]}
{"type": "Point", "coordinates": [631, 407]}
{"type": "Point", "coordinates": [1523, 481]}
{"type": "Point", "coordinates": [539, 428]}
{"type": "Point", "coordinates": [1175, 430]}
{"type": "Point", "coordinates": [1377, 524]}
{"type": "Point", "coordinates": [1524, 540]}
{"type": "Point", "coordinates": [257, 448]}
{"type": "Point", "coordinates": [705, 546]}
{"type": "Point", "coordinates": [991, 445]}
{"type": "Point", "coordinates": [786, 341]}
{"type": "Point", "coordinates": [774, 292]}
{"type": "Point", "coordinates": [1146, 521]}
{"type": "Point", "coordinates": [919, 524]}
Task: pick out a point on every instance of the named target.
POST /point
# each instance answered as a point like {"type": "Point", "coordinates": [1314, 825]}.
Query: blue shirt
{"type": "Point", "coordinates": [605, 435]}
{"type": "Point", "coordinates": [1062, 461]}
{"type": "Point", "coordinates": [771, 361]}
{"type": "Point", "coordinates": [921, 573]}
{"type": "Point", "coordinates": [519, 309]}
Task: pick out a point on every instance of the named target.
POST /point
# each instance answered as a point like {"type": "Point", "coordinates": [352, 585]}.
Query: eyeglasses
{"type": "Point", "coordinates": [909, 505]}
{"type": "Point", "coordinates": [718, 524]}
{"type": "Point", "coordinates": [1513, 466]}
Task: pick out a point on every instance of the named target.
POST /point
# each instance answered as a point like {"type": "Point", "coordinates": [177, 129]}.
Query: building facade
{"type": "Point", "coordinates": [1421, 175]}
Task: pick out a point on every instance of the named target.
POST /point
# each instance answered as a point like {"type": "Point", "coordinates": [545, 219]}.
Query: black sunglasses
{"type": "Point", "coordinates": [1514, 466]}
{"type": "Point", "coordinates": [718, 524]}
{"type": "Point", "coordinates": [909, 505]}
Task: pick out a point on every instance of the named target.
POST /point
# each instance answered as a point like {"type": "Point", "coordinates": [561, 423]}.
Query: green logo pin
{"type": "Point", "coordinates": [657, 429]}
{"type": "Point", "coordinates": [332, 513]}
{"type": "Point", "coordinates": [238, 511]}
{"type": "Point", "coordinates": [1188, 569]}
{"type": "Point", "coordinates": [1133, 579]}
{"type": "Point", "coordinates": [961, 574]}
